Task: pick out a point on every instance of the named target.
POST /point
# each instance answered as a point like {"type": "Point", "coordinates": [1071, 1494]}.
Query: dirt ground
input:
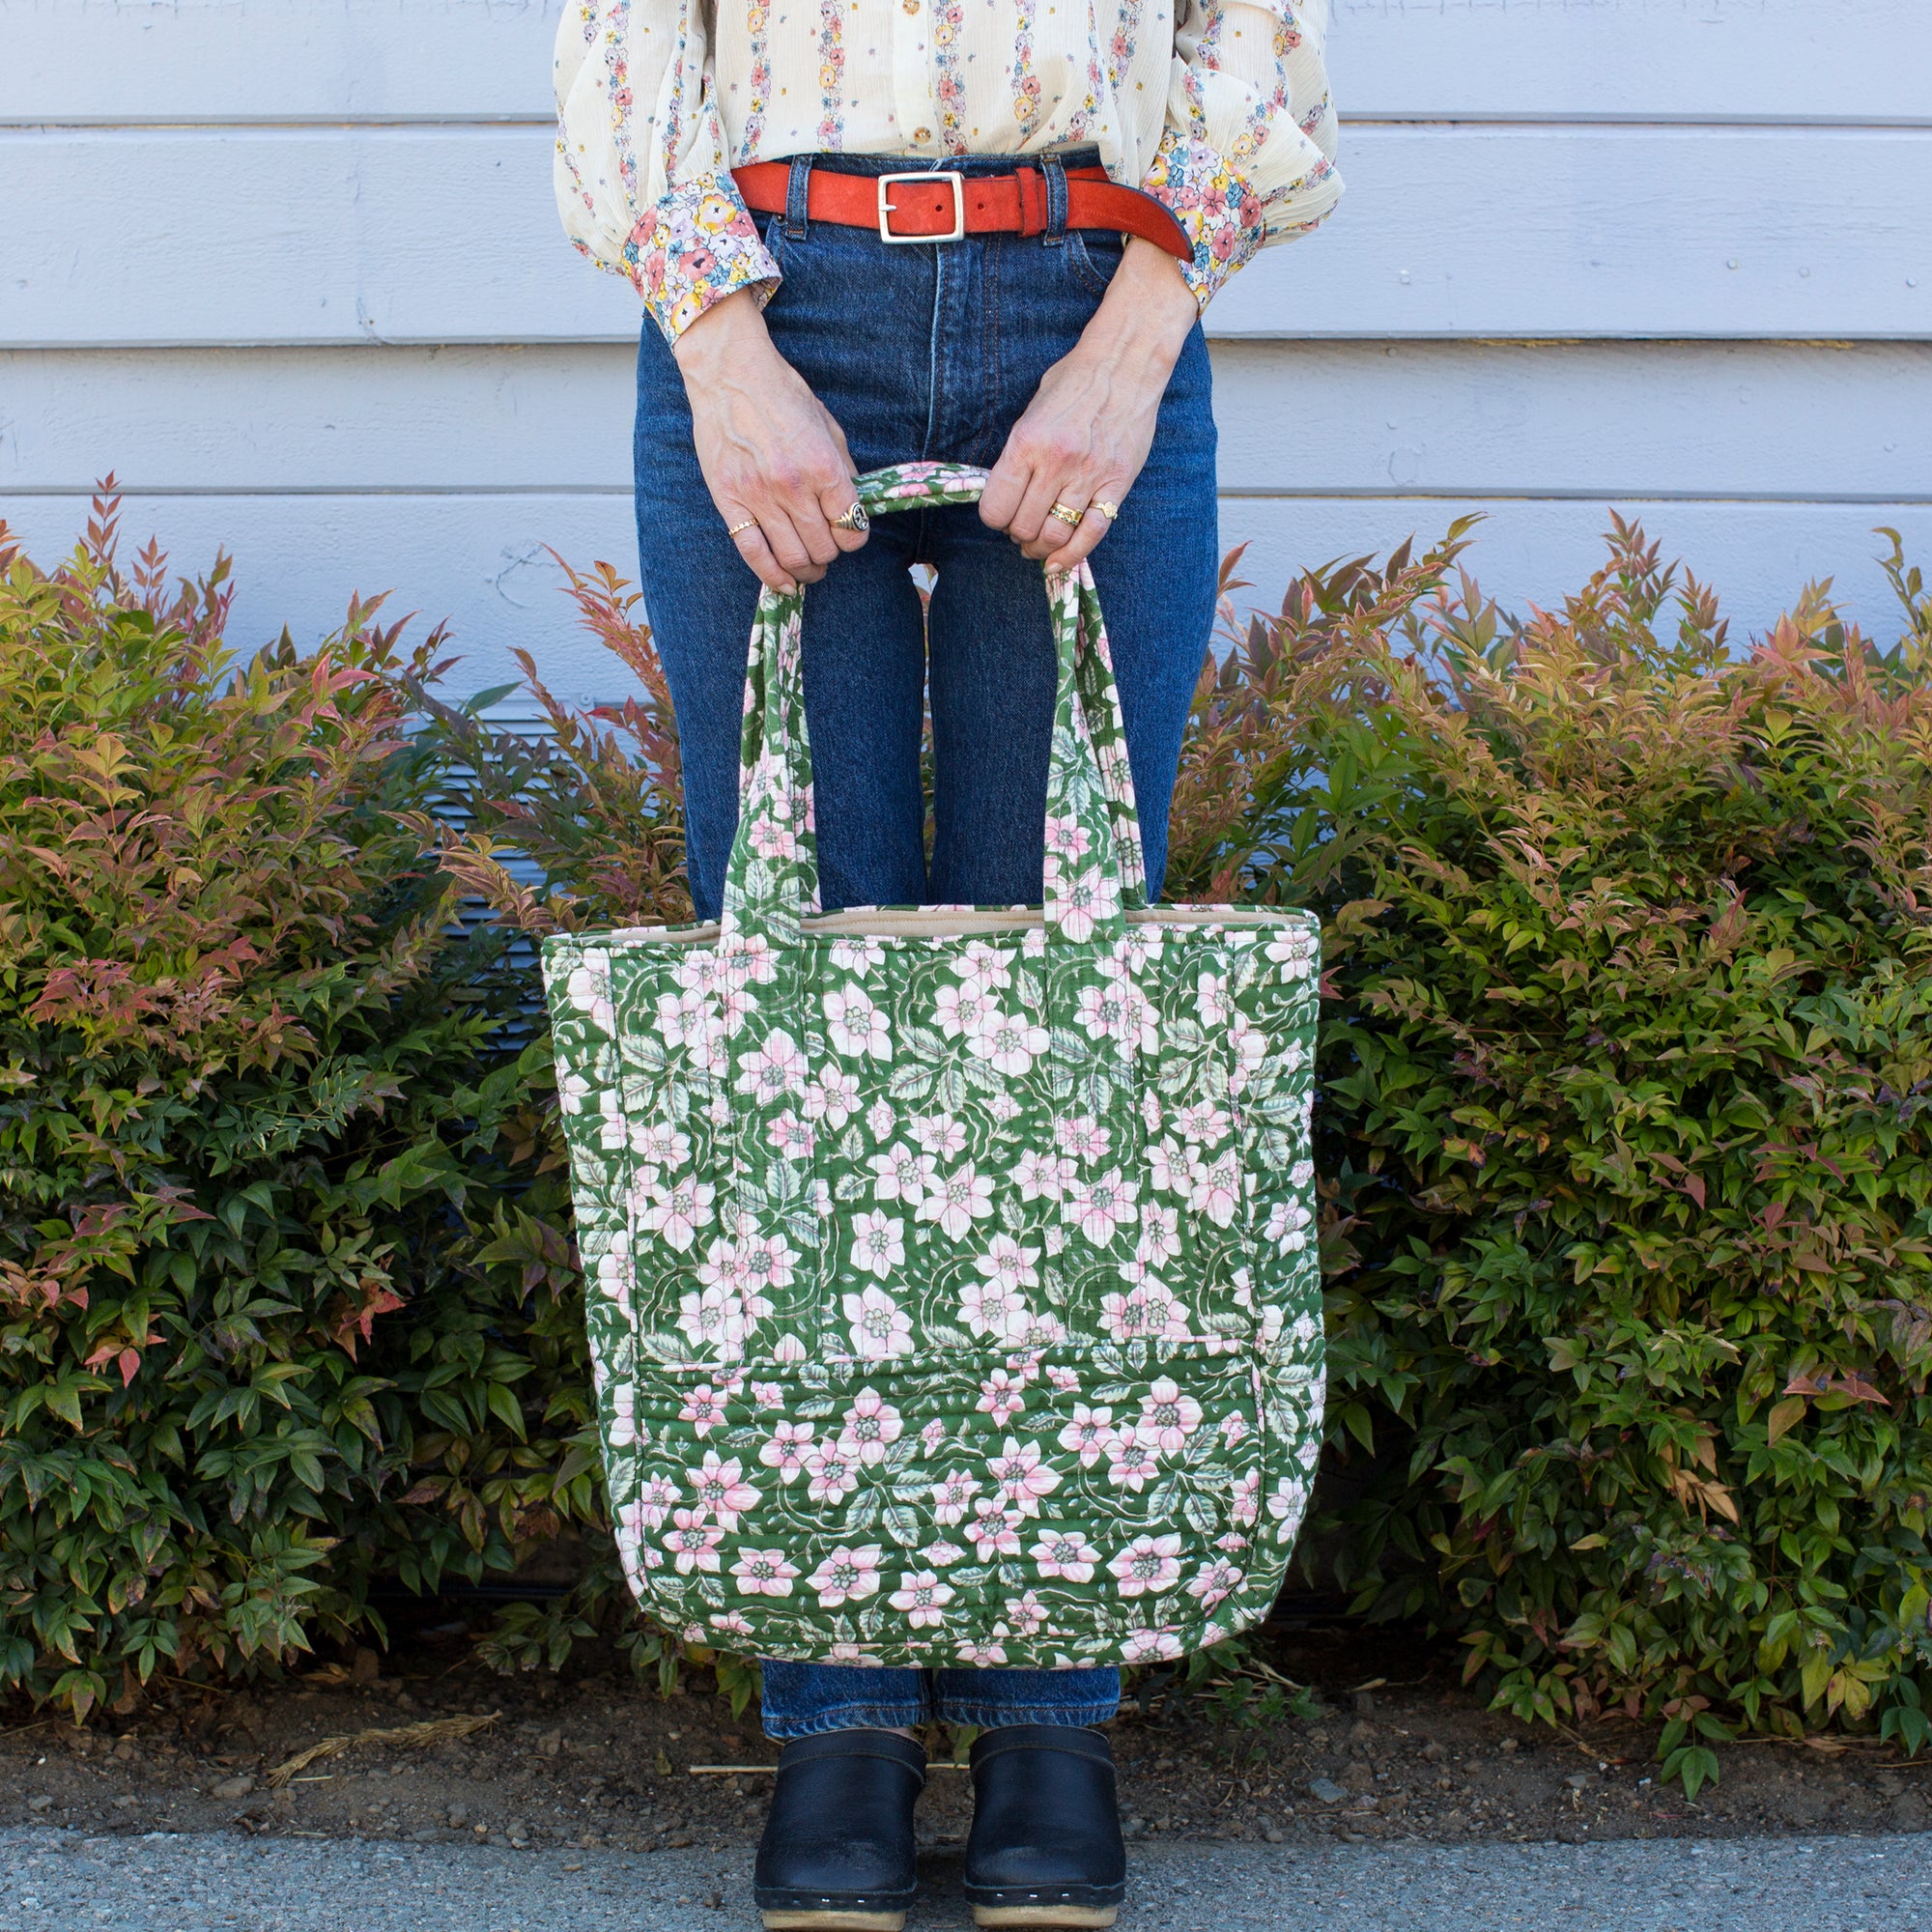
{"type": "Point", "coordinates": [590, 1759]}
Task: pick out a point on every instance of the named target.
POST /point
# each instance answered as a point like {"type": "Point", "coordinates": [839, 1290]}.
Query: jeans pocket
{"type": "Point", "coordinates": [1092, 255]}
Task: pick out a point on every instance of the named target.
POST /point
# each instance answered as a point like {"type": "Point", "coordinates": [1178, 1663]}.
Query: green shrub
{"type": "Point", "coordinates": [1626, 1074]}
{"type": "Point", "coordinates": [283, 1303]}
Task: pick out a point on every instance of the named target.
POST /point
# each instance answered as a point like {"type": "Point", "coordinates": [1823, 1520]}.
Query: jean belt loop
{"type": "Point", "coordinates": [1056, 200]}
{"type": "Point", "coordinates": [797, 227]}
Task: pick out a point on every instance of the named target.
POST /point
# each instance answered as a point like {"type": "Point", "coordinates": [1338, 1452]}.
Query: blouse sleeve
{"type": "Point", "coordinates": [643, 181]}
{"type": "Point", "coordinates": [1247, 156]}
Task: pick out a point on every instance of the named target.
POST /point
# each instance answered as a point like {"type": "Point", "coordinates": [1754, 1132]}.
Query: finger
{"type": "Point", "coordinates": [758, 554]}
{"type": "Point", "coordinates": [789, 545]}
{"type": "Point", "coordinates": [837, 501]}
{"type": "Point", "coordinates": [812, 529]}
{"type": "Point", "coordinates": [1093, 526]}
{"type": "Point", "coordinates": [1006, 484]}
{"type": "Point", "coordinates": [1035, 526]}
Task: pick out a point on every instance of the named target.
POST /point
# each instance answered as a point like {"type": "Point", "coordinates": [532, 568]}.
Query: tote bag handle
{"type": "Point", "coordinates": [1095, 873]}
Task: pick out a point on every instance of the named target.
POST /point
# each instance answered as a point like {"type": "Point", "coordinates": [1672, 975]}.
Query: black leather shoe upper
{"type": "Point", "coordinates": [1046, 1829]}
{"type": "Point", "coordinates": [840, 1832]}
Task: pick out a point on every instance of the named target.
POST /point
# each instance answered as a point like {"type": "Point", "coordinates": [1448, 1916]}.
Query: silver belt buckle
{"type": "Point", "coordinates": [958, 182]}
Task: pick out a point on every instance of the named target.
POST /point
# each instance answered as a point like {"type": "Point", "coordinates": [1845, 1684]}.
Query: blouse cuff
{"type": "Point", "coordinates": [698, 246]}
{"type": "Point", "coordinates": [1221, 214]}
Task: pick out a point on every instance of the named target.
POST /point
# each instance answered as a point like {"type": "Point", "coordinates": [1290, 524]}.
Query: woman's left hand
{"type": "Point", "coordinates": [1087, 430]}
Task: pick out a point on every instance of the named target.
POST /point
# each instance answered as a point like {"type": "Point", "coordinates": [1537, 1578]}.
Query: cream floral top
{"type": "Point", "coordinates": [1219, 107]}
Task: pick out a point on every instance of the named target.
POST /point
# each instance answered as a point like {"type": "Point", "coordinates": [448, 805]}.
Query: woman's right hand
{"type": "Point", "coordinates": [772, 454]}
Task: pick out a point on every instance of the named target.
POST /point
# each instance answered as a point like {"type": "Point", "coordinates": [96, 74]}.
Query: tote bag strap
{"type": "Point", "coordinates": [1094, 871]}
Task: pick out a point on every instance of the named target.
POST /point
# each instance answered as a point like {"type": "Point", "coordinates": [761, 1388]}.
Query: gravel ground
{"type": "Point", "coordinates": [157, 1882]}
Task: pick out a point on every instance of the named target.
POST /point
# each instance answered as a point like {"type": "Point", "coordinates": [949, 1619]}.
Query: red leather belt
{"type": "Point", "coordinates": [943, 206]}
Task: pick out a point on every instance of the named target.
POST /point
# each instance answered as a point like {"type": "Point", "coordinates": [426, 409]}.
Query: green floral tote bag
{"type": "Point", "coordinates": [950, 1271]}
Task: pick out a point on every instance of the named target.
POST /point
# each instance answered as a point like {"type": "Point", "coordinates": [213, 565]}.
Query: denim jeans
{"type": "Point", "coordinates": [929, 352]}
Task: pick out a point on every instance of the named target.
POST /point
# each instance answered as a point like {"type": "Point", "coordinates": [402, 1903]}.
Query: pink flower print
{"type": "Point", "coordinates": [791, 1138]}
{"type": "Point", "coordinates": [1028, 1614]}
{"type": "Point", "coordinates": [1089, 1433]}
{"type": "Point", "coordinates": [1149, 1646]}
{"type": "Point", "coordinates": [901, 1175]}
{"type": "Point", "coordinates": [831, 1098]}
{"type": "Point", "coordinates": [1288, 1225]}
{"type": "Point", "coordinates": [768, 1395]}
{"type": "Point", "coordinates": [1160, 1236]}
{"type": "Point", "coordinates": [1147, 1565]}
{"type": "Point", "coordinates": [955, 1202]}
{"type": "Point", "coordinates": [846, 1576]}
{"type": "Point", "coordinates": [772, 838]}
{"type": "Point", "coordinates": [995, 1530]}
{"type": "Point", "coordinates": [1023, 1478]}
{"type": "Point", "coordinates": [675, 1213]}
{"type": "Point", "coordinates": [653, 1504]}
{"type": "Point", "coordinates": [1234, 1426]}
{"type": "Point", "coordinates": [953, 1497]}
{"type": "Point", "coordinates": [1168, 1418]}
{"type": "Point", "coordinates": [880, 1119]}
{"type": "Point", "coordinates": [856, 955]}
{"type": "Point", "coordinates": [1151, 1116]}
{"type": "Point", "coordinates": [1216, 1189]}
{"type": "Point", "coordinates": [703, 1408]}
{"type": "Point", "coordinates": [769, 1263]}
{"type": "Point", "coordinates": [773, 1069]}
{"type": "Point", "coordinates": [1119, 1014]}
{"type": "Point", "coordinates": [1065, 1553]}
{"type": "Point", "coordinates": [1008, 1265]}
{"type": "Point", "coordinates": [733, 1627]}
{"type": "Point", "coordinates": [1169, 1170]}
{"type": "Point", "coordinates": [1042, 1176]}
{"type": "Point", "coordinates": [960, 1010]}
{"type": "Point", "coordinates": [1145, 1312]}
{"type": "Point", "coordinates": [693, 1542]}
{"type": "Point", "coordinates": [1099, 1209]}
{"type": "Point", "coordinates": [1080, 901]}
{"type": "Point", "coordinates": [623, 1431]}
{"type": "Point", "coordinates": [1131, 1464]}
{"type": "Point", "coordinates": [988, 1307]}
{"type": "Point", "coordinates": [1214, 1580]}
{"type": "Point", "coordinates": [872, 1424]}
{"type": "Point", "coordinates": [932, 1436]}
{"type": "Point", "coordinates": [923, 1599]}
{"type": "Point", "coordinates": [1245, 1506]}
{"type": "Point", "coordinates": [589, 991]}
{"type": "Point", "coordinates": [765, 1572]}
{"type": "Point", "coordinates": [1000, 1397]}
{"type": "Point", "coordinates": [834, 1474]}
{"type": "Point", "coordinates": [1210, 1000]}
{"type": "Point", "coordinates": [751, 960]}
{"type": "Point", "coordinates": [721, 1489]}
{"type": "Point", "coordinates": [1204, 1124]}
{"type": "Point", "coordinates": [616, 1275]}
{"type": "Point", "coordinates": [879, 1327]}
{"type": "Point", "coordinates": [786, 1450]}
{"type": "Point", "coordinates": [1295, 948]}
{"type": "Point", "coordinates": [1065, 1379]}
{"type": "Point", "coordinates": [1067, 839]}
{"type": "Point", "coordinates": [985, 967]}
{"type": "Point", "coordinates": [877, 1243]}
{"type": "Point", "coordinates": [1010, 1044]}
{"type": "Point", "coordinates": [659, 1144]}
{"type": "Point", "coordinates": [1035, 1330]}
{"type": "Point", "coordinates": [940, 1136]}
{"type": "Point", "coordinates": [855, 1025]}
{"type": "Point", "coordinates": [974, 1655]}
{"type": "Point", "coordinates": [1082, 1137]}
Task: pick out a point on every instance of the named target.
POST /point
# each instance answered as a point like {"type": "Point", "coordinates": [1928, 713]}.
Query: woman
{"type": "Point", "coordinates": [870, 232]}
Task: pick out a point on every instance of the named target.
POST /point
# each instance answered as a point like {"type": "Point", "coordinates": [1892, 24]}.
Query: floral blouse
{"type": "Point", "coordinates": [1220, 108]}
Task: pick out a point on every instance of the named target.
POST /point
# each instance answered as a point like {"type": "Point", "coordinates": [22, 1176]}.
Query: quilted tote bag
{"type": "Point", "coordinates": [951, 1271]}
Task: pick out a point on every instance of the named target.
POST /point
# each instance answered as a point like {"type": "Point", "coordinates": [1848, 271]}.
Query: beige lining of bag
{"type": "Point", "coordinates": [957, 922]}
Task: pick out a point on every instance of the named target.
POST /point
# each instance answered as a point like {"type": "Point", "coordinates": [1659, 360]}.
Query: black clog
{"type": "Point", "coordinates": [837, 1850]}
{"type": "Point", "coordinates": [1045, 1848]}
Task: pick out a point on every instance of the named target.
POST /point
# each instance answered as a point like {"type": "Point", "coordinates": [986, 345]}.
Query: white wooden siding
{"type": "Point", "coordinates": [290, 267]}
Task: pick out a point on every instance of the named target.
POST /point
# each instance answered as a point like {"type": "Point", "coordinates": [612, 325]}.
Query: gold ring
{"type": "Point", "coordinates": [854, 519]}
{"type": "Point", "coordinates": [1070, 518]}
{"type": "Point", "coordinates": [739, 529]}
{"type": "Point", "coordinates": [1108, 510]}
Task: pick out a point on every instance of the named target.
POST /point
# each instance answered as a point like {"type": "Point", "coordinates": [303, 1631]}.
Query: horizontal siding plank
{"type": "Point", "coordinates": [481, 560]}
{"type": "Point", "coordinates": [251, 60]}
{"type": "Point", "coordinates": [449, 234]}
{"type": "Point", "coordinates": [1751, 420]}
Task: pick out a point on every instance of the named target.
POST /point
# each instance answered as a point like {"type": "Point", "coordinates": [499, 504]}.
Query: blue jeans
{"type": "Point", "coordinates": [929, 352]}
